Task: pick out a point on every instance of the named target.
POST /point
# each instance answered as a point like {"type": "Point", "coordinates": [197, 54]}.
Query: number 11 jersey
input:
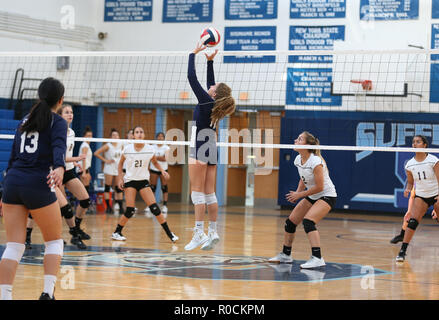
{"type": "Point", "coordinates": [137, 162]}
{"type": "Point", "coordinates": [426, 184]}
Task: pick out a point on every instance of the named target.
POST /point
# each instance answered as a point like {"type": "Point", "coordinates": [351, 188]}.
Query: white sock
{"type": "Point", "coordinates": [212, 225]}
{"type": "Point", "coordinates": [199, 225]}
{"type": "Point", "coordinates": [6, 290]}
{"type": "Point", "coordinates": [49, 284]}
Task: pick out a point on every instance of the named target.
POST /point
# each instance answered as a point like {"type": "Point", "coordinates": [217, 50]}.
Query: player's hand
{"type": "Point", "coordinates": [406, 193]}
{"type": "Point", "coordinates": [120, 184]}
{"type": "Point", "coordinates": [82, 156]}
{"type": "Point", "coordinates": [55, 177]}
{"type": "Point", "coordinates": [211, 56]}
{"type": "Point", "coordinates": [407, 216]}
{"type": "Point", "coordinates": [109, 161]}
{"type": "Point", "coordinates": [434, 215]}
{"type": "Point", "coordinates": [166, 175]}
{"type": "Point", "coordinates": [293, 196]}
{"type": "Point", "coordinates": [199, 47]}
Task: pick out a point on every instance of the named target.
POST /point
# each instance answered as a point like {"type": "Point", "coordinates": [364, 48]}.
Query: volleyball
{"type": "Point", "coordinates": [210, 37]}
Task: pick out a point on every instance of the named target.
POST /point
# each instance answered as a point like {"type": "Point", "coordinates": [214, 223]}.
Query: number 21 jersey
{"type": "Point", "coordinates": [426, 185]}
{"type": "Point", "coordinates": [137, 162]}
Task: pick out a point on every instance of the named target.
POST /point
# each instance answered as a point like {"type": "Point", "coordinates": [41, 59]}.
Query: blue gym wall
{"type": "Point", "coordinates": [379, 176]}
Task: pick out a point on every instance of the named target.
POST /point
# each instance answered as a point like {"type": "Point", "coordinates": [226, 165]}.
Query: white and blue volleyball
{"type": "Point", "coordinates": [210, 37]}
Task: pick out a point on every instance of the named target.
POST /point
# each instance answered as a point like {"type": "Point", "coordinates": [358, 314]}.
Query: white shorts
{"type": "Point", "coordinates": [110, 169]}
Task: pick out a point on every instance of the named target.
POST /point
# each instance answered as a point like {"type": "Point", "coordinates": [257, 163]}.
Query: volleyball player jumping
{"type": "Point", "coordinates": [319, 194]}
{"type": "Point", "coordinates": [213, 105]}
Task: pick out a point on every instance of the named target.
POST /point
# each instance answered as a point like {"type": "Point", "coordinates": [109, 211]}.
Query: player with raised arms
{"type": "Point", "coordinates": [213, 105]}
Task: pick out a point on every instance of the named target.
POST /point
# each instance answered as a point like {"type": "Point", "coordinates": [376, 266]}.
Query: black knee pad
{"type": "Point", "coordinates": [290, 227]}
{"type": "Point", "coordinates": [165, 188]}
{"type": "Point", "coordinates": [67, 212]}
{"type": "Point", "coordinates": [107, 188]}
{"type": "Point", "coordinates": [413, 224]}
{"type": "Point", "coordinates": [153, 187]}
{"type": "Point", "coordinates": [155, 210]}
{"type": "Point", "coordinates": [84, 203]}
{"type": "Point", "coordinates": [30, 216]}
{"type": "Point", "coordinates": [309, 225]}
{"type": "Point", "coordinates": [129, 212]}
{"type": "Point", "coordinates": [118, 190]}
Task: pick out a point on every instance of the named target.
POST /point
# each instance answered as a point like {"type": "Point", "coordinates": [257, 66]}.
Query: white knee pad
{"type": "Point", "coordinates": [54, 247]}
{"type": "Point", "coordinates": [211, 198]}
{"type": "Point", "coordinates": [14, 251]}
{"type": "Point", "coordinates": [198, 197]}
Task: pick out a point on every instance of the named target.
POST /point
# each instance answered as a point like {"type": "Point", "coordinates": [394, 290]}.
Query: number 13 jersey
{"type": "Point", "coordinates": [137, 162]}
{"type": "Point", "coordinates": [426, 184]}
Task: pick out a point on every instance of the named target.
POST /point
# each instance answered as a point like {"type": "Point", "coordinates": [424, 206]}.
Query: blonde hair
{"type": "Point", "coordinates": [224, 104]}
{"type": "Point", "coordinates": [310, 139]}
{"type": "Point", "coordinates": [60, 109]}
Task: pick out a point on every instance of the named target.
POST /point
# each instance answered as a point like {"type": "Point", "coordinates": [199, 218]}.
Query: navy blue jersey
{"type": "Point", "coordinates": [33, 153]}
{"type": "Point", "coordinates": [203, 110]}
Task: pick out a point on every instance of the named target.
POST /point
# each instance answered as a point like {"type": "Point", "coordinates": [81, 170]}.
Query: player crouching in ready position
{"type": "Point", "coordinates": [137, 157]}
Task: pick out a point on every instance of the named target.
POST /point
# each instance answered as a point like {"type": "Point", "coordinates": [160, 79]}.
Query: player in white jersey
{"type": "Point", "coordinates": [137, 157]}
{"type": "Point", "coordinates": [112, 152]}
{"type": "Point", "coordinates": [422, 173]}
{"type": "Point", "coordinates": [85, 150]}
{"type": "Point", "coordinates": [71, 182]}
{"type": "Point", "coordinates": [319, 194]}
{"type": "Point", "coordinates": [160, 153]}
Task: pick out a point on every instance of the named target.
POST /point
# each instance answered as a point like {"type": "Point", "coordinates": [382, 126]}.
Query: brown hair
{"type": "Point", "coordinates": [310, 139]}
{"type": "Point", "coordinates": [224, 104]}
{"type": "Point", "coordinates": [423, 138]}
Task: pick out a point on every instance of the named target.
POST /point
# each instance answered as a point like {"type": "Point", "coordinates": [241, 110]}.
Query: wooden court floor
{"type": "Point", "coordinates": [147, 266]}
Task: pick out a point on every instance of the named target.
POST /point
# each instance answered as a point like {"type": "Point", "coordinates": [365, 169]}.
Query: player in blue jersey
{"type": "Point", "coordinates": [35, 168]}
{"type": "Point", "coordinates": [213, 105]}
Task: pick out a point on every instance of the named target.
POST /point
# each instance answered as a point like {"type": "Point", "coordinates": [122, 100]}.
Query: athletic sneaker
{"type": "Point", "coordinates": [174, 237]}
{"type": "Point", "coordinates": [148, 213]}
{"type": "Point", "coordinates": [109, 210]}
{"type": "Point", "coordinates": [281, 258]}
{"type": "Point", "coordinates": [164, 209]}
{"type": "Point", "coordinates": [76, 240]}
{"type": "Point", "coordinates": [397, 239]}
{"type": "Point", "coordinates": [400, 257]}
{"type": "Point", "coordinates": [83, 235]}
{"type": "Point", "coordinates": [45, 296]}
{"type": "Point", "coordinates": [118, 236]}
{"type": "Point", "coordinates": [314, 262]}
{"type": "Point", "coordinates": [199, 238]}
{"type": "Point", "coordinates": [213, 240]}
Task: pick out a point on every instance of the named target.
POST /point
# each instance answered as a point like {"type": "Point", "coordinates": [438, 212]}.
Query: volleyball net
{"type": "Point", "coordinates": [363, 106]}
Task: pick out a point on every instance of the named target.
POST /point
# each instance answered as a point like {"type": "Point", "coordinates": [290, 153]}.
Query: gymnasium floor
{"type": "Point", "coordinates": [360, 260]}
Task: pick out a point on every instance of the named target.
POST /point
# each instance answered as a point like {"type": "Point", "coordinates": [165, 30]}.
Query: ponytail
{"type": "Point", "coordinates": [310, 139]}
{"type": "Point", "coordinates": [39, 118]}
{"type": "Point", "coordinates": [224, 104]}
{"type": "Point", "coordinates": [50, 93]}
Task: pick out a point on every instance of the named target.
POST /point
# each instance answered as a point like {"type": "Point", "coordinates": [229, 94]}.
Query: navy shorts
{"type": "Point", "coordinates": [31, 196]}
{"type": "Point", "coordinates": [329, 200]}
{"type": "Point", "coordinates": [206, 156]}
